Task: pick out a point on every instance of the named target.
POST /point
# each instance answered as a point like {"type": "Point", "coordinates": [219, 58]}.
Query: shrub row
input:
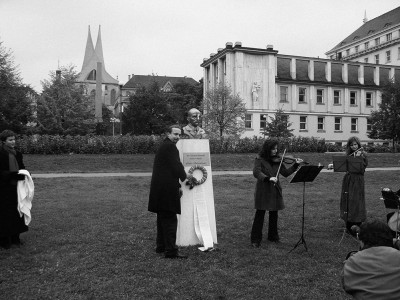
{"type": "Point", "coordinates": [127, 144]}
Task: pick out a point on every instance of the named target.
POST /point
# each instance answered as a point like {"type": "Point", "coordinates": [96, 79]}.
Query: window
{"type": "Point", "coordinates": [283, 93]}
{"type": "Point", "coordinates": [388, 37]}
{"type": "Point", "coordinates": [347, 52]}
{"type": "Point", "coordinates": [302, 94]}
{"type": "Point", "coordinates": [366, 45]}
{"type": "Point", "coordinates": [224, 64]}
{"type": "Point", "coordinates": [320, 96]}
{"type": "Point", "coordinates": [368, 99]}
{"type": "Point", "coordinates": [357, 47]}
{"type": "Point", "coordinates": [321, 123]}
{"type": "Point", "coordinates": [354, 122]}
{"type": "Point", "coordinates": [353, 98]}
{"type": "Point", "coordinates": [106, 87]}
{"type": "Point", "coordinates": [377, 41]}
{"type": "Point", "coordinates": [377, 59]}
{"type": "Point", "coordinates": [388, 56]}
{"type": "Point", "coordinates": [338, 124]}
{"type": "Point", "coordinates": [336, 97]}
{"type": "Point", "coordinates": [248, 121]}
{"type": "Point", "coordinates": [369, 125]}
{"type": "Point", "coordinates": [263, 121]}
{"type": "Point", "coordinates": [303, 123]}
{"type": "Point", "coordinates": [366, 60]}
{"type": "Point", "coordinates": [398, 52]}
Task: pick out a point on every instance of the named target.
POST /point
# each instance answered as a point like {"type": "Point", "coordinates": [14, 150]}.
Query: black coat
{"type": "Point", "coordinates": [167, 170]}
{"type": "Point", "coordinates": [10, 221]}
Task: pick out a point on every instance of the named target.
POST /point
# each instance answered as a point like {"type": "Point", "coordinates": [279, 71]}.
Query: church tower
{"type": "Point", "coordinates": [89, 74]}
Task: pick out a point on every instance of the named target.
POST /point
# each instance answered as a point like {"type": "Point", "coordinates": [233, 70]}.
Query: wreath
{"type": "Point", "coordinates": [192, 181]}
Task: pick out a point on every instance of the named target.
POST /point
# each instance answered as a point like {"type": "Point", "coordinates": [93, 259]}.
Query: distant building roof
{"type": "Point", "coordinates": [371, 27]}
{"type": "Point", "coordinates": [137, 81]}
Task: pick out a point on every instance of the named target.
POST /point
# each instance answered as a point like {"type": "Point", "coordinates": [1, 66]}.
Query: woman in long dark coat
{"type": "Point", "coordinates": [268, 193]}
{"type": "Point", "coordinates": [11, 223]}
{"type": "Point", "coordinates": [352, 201]}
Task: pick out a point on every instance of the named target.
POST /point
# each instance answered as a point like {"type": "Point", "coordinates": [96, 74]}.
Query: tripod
{"type": "Point", "coordinates": [304, 174]}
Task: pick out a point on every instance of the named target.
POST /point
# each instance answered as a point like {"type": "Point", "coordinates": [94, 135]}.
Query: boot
{"type": "Point", "coordinates": [273, 226]}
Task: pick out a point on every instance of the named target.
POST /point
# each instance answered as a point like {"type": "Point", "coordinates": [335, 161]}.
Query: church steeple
{"type": "Point", "coordinates": [89, 51]}
{"type": "Point", "coordinates": [99, 47]}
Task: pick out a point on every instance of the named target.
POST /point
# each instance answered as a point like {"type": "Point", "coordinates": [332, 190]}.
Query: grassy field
{"type": "Point", "coordinates": [144, 162]}
{"type": "Point", "coordinates": [92, 238]}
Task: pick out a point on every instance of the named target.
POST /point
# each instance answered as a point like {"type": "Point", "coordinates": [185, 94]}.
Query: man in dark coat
{"type": "Point", "coordinates": [165, 193]}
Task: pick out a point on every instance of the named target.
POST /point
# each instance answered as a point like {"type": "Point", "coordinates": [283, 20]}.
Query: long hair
{"type": "Point", "coordinates": [266, 149]}
{"type": "Point", "coordinates": [350, 141]}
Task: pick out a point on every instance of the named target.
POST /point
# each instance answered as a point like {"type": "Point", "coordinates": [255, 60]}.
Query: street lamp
{"type": "Point", "coordinates": [113, 121]}
{"type": "Point", "coordinates": [121, 110]}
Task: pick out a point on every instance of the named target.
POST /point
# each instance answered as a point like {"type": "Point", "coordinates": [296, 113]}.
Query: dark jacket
{"type": "Point", "coordinates": [167, 170]}
{"type": "Point", "coordinates": [10, 221]}
{"type": "Point", "coordinates": [268, 196]}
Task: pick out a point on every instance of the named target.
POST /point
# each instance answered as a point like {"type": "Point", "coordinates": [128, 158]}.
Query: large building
{"type": "Point", "coordinates": [376, 41]}
{"type": "Point", "coordinates": [89, 74]}
{"type": "Point", "coordinates": [323, 98]}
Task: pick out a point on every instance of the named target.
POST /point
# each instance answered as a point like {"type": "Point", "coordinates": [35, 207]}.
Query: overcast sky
{"type": "Point", "coordinates": [171, 37]}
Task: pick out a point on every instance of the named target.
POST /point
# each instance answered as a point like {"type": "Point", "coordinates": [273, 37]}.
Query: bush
{"type": "Point", "coordinates": [143, 144]}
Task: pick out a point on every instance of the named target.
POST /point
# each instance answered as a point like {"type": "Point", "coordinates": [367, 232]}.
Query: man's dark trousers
{"type": "Point", "coordinates": [167, 224]}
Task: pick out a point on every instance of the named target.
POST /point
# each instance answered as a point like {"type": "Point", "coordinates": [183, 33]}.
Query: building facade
{"type": "Point", "coordinates": [110, 87]}
{"type": "Point", "coordinates": [323, 98]}
{"type": "Point", "coordinates": [376, 41]}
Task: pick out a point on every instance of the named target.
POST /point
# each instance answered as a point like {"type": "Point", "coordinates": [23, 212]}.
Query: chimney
{"type": "Point", "coordinates": [229, 45]}
{"type": "Point", "coordinates": [238, 44]}
{"type": "Point", "coordinates": [129, 77]}
{"type": "Point", "coordinates": [270, 47]}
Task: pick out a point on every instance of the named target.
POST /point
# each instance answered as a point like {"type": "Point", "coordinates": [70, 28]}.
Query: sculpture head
{"type": "Point", "coordinates": [194, 117]}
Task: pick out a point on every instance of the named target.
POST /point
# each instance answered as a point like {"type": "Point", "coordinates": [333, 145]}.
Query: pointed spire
{"type": "Point", "coordinates": [365, 20]}
{"type": "Point", "coordinates": [99, 48]}
{"type": "Point", "coordinates": [88, 51]}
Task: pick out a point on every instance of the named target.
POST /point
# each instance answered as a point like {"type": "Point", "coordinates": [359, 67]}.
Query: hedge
{"type": "Point", "coordinates": [143, 144]}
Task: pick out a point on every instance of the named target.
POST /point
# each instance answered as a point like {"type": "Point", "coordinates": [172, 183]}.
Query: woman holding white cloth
{"type": "Point", "coordinates": [11, 161]}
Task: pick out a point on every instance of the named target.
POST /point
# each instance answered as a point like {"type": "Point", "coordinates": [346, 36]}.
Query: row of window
{"type": "Point", "coordinates": [303, 123]}
{"type": "Point", "coordinates": [376, 42]}
{"type": "Point", "coordinates": [388, 57]}
{"type": "Point", "coordinates": [320, 96]}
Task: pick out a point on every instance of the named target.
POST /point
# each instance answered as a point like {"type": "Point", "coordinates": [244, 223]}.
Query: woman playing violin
{"type": "Point", "coordinates": [352, 201]}
{"type": "Point", "coordinates": [268, 192]}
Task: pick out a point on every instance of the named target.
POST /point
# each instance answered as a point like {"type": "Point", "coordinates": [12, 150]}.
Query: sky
{"type": "Point", "coordinates": [170, 37]}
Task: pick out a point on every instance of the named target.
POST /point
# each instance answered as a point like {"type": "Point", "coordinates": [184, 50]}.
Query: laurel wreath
{"type": "Point", "coordinates": [192, 181]}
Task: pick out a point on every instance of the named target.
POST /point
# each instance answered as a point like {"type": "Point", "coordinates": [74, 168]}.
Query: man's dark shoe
{"type": "Point", "coordinates": [177, 255]}
{"type": "Point", "coordinates": [160, 250]}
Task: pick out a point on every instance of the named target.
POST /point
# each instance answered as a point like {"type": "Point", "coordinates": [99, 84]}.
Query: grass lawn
{"type": "Point", "coordinates": [144, 162]}
{"type": "Point", "coordinates": [92, 238]}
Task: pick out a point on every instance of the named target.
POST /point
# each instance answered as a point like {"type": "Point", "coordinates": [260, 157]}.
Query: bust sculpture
{"type": "Point", "coordinates": [193, 130]}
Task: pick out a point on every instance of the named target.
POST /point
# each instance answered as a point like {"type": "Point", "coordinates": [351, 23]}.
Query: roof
{"type": "Point", "coordinates": [91, 58]}
{"type": "Point", "coordinates": [145, 80]}
{"type": "Point", "coordinates": [373, 26]}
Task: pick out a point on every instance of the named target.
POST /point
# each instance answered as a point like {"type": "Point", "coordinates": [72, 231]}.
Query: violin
{"type": "Point", "coordinates": [287, 159]}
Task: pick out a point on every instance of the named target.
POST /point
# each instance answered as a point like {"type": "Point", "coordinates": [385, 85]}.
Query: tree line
{"type": "Point", "coordinates": [62, 108]}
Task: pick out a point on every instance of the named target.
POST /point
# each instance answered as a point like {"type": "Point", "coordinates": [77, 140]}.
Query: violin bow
{"type": "Point", "coordinates": [280, 164]}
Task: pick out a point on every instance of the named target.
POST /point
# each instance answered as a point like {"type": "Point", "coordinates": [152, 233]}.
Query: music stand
{"type": "Point", "coordinates": [305, 174]}
{"type": "Point", "coordinates": [345, 163]}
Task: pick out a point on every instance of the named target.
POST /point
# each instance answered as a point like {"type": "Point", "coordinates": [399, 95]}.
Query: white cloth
{"type": "Point", "coordinates": [25, 189]}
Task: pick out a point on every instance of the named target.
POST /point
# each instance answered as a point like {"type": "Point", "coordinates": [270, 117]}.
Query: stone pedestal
{"type": "Point", "coordinates": [196, 224]}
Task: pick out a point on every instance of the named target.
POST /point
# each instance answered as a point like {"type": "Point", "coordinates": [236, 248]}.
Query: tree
{"type": "Point", "coordinates": [148, 112]}
{"type": "Point", "coordinates": [279, 125]}
{"type": "Point", "coordinates": [16, 99]}
{"type": "Point", "coordinates": [223, 112]}
{"type": "Point", "coordinates": [385, 121]}
{"type": "Point", "coordinates": [63, 108]}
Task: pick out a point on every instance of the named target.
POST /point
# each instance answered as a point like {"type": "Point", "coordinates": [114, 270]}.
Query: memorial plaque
{"type": "Point", "coordinates": [196, 158]}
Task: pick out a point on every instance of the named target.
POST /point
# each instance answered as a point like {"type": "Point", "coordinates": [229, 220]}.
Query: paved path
{"type": "Point", "coordinates": [148, 174]}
